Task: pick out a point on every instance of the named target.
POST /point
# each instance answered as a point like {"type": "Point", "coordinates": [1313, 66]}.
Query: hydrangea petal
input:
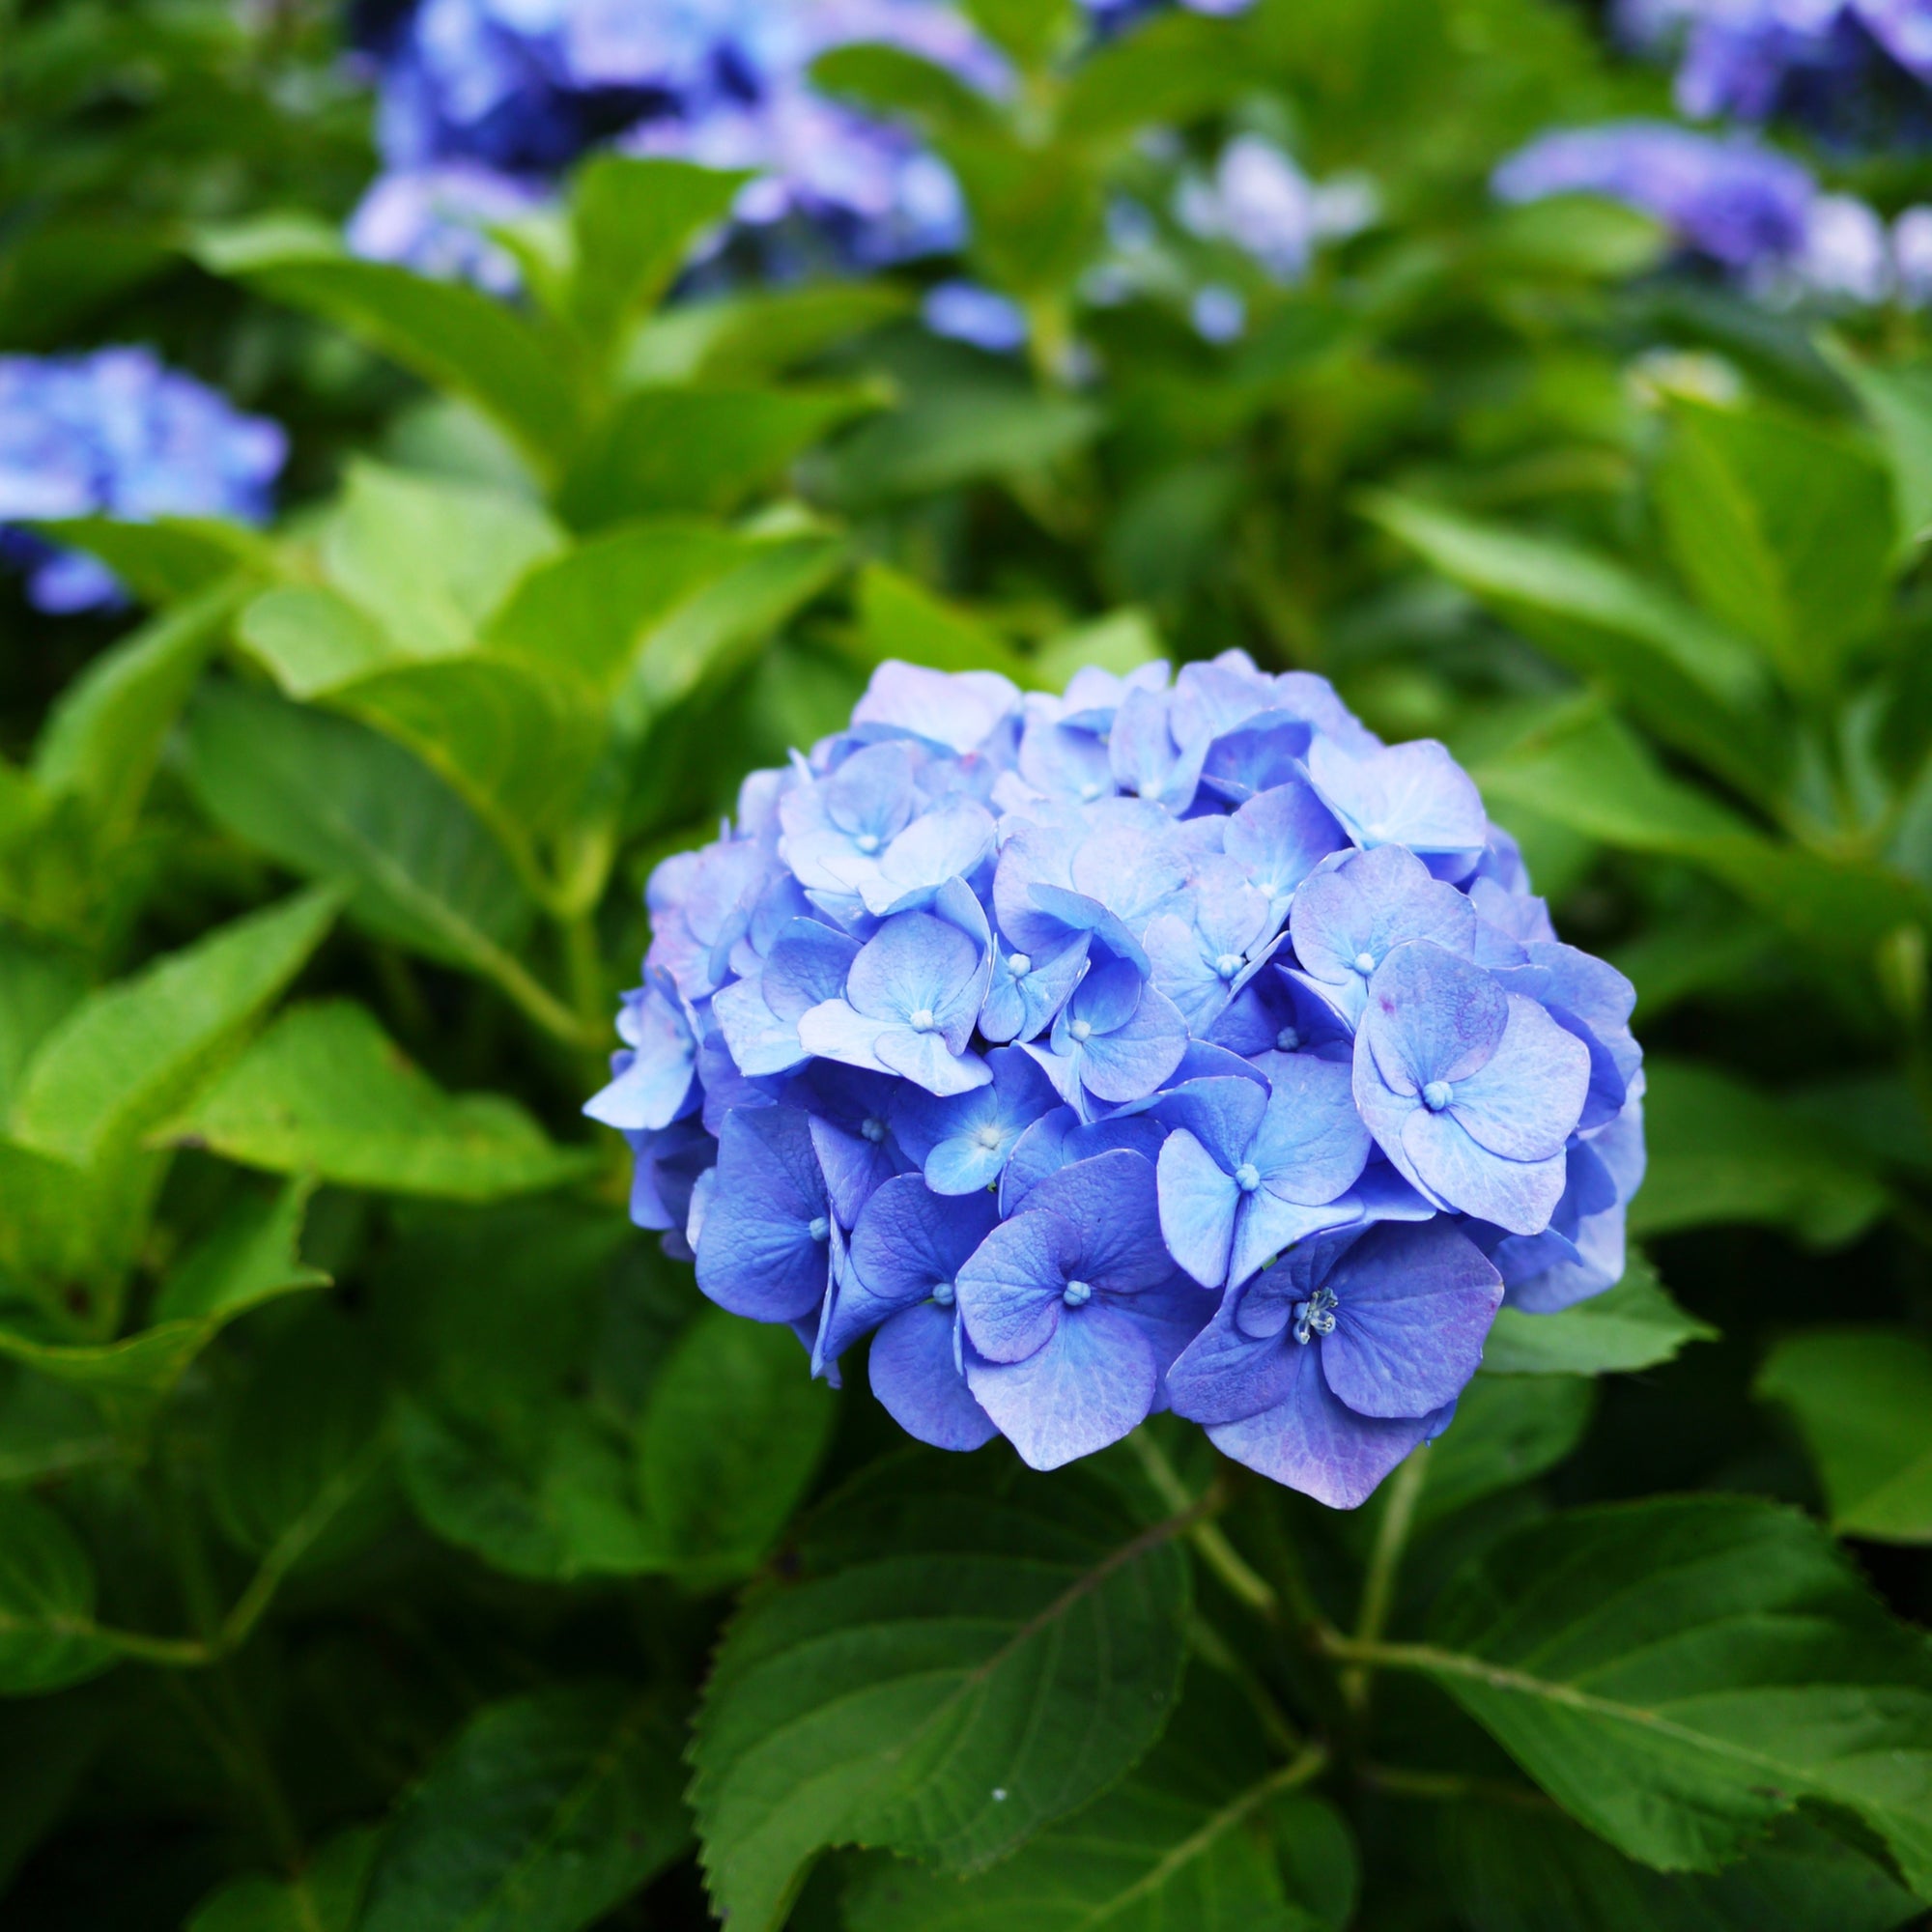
{"type": "Point", "coordinates": [1093, 1383]}
{"type": "Point", "coordinates": [913, 1373]}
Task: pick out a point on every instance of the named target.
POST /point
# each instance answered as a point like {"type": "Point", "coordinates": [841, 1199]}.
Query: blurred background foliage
{"type": "Point", "coordinates": [371, 1495]}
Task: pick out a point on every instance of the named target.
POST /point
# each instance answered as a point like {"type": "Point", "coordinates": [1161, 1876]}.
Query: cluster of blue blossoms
{"type": "Point", "coordinates": [1857, 73]}
{"type": "Point", "coordinates": [1156, 1047]}
{"type": "Point", "coordinates": [116, 432]}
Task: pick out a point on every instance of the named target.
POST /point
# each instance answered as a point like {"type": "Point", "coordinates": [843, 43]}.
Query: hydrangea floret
{"type": "Point", "coordinates": [1171, 1043]}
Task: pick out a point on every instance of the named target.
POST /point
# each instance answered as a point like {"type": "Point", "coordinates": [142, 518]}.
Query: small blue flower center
{"type": "Point", "coordinates": [1080, 1028]}
{"type": "Point", "coordinates": [818, 1227]}
{"type": "Point", "coordinates": [874, 1130]}
{"type": "Point", "coordinates": [942, 1293]}
{"type": "Point", "coordinates": [1287, 1039]}
{"type": "Point", "coordinates": [1089, 792]}
{"type": "Point", "coordinates": [1437, 1096]}
{"type": "Point", "coordinates": [921, 1021]}
{"type": "Point", "coordinates": [1019, 964]}
{"type": "Point", "coordinates": [867, 842]}
{"type": "Point", "coordinates": [1228, 965]}
{"type": "Point", "coordinates": [1315, 1316]}
{"type": "Point", "coordinates": [989, 1136]}
{"type": "Point", "coordinates": [1077, 1294]}
{"type": "Point", "coordinates": [1247, 1176]}
{"type": "Point", "coordinates": [1365, 963]}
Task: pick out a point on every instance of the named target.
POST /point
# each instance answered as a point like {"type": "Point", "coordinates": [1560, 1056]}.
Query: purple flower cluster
{"type": "Point", "coordinates": [1159, 1045]}
{"type": "Point", "coordinates": [116, 432]}
{"type": "Point", "coordinates": [485, 104]}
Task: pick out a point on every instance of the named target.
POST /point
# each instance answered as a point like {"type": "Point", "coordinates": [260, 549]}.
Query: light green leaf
{"type": "Point", "coordinates": [309, 639]}
{"type": "Point", "coordinates": [324, 1091]}
{"type": "Point", "coordinates": [134, 1370]}
{"type": "Point", "coordinates": [1723, 1151]}
{"type": "Point", "coordinates": [1678, 1674]}
{"type": "Point", "coordinates": [430, 558]}
{"type": "Point", "coordinates": [46, 1601]}
{"type": "Point", "coordinates": [167, 560]}
{"type": "Point", "coordinates": [1783, 532]}
{"type": "Point", "coordinates": [38, 987]}
{"type": "Point", "coordinates": [1516, 1868]}
{"type": "Point", "coordinates": [540, 1816]}
{"type": "Point", "coordinates": [1899, 403]}
{"type": "Point", "coordinates": [1030, 31]}
{"type": "Point", "coordinates": [1862, 1399]}
{"type": "Point", "coordinates": [1693, 683]}
{"type": "Point", "coordinates": [451, 335]}
{"type": "Point", "coordinates": [731, 1439]}
{"type": "Point", "coordinates": [103, 737]}
{"type": "Point", "coordinates": [129, 1053]}
{"type": "Point", "coordinates": [70, 1235]}
{"type": "Point", "coordinates": [1507, 1430]}
{"type": "Point", "coordinates": [633, 226]}
{"type": "Point", "coordinates": [894, 81]}
{"type": "Point", "coordinates": [326, 1898]}
{"type": "Point", "coordinates": [252, 1255]}
{"type": "Point", "coordinates": [1170, 71]}
{"type": "Point", "coordinates": [966, 1653]}
{"type": "Point", "coordinates": [899, 619]}
{"type": "Point", "coordinates": [1121, 641]}
{"type": "Point", "coordinates": [697, 449]}
{"type": "Point", "coordinates": [759, 336]}
{"type": "Point", "coordinates": [337, 800]}
{"type": "Point", "coordinates": [1633, 1325]}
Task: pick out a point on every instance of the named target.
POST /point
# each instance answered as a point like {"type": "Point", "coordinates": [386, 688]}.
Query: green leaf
{"type": "Point", "coordinates": [127, 1055]}
{"type": "Point", "coordinates": [325, 1091]}
{"type": "Point", "coordinates": [1183, 1841]}
{"type": "Point", "coordinates": [1036, 211]}
{"type": "Point", "coordinates": [1030, 31]}
{"type": "Point", "coordinates": [540, 1816]}
{"type": "Point", "coordinates": [1783, 532]}
{"type": "Point", "coordinates": [1678, 1674]}
{"type": "Point", "coordinates": [1633, 1325]}
{"type": "Point", "coordinates": [759, 336]}
{"type": "Point", "coordinates": [964, 1652]}
{"type": "Point", "coordinates": [1585, 770]}
{"type": "Point", "coordinates": [1119, 642]}
{"type": "Point", "coordinates": [899, 619]}
{"type": "Point", "coordinates": [103, 737]}
{"type": "Point", "coordinates": [334, 800]}
{"type": "Point", "coordinates": [326, 1898]}
{"type": "Point", "coordinates": [38, 988]}
{"type": "Point", "coordinates": [1693, 683]}
{"type": "Point", "coordinates": [309, 639]}
{"type": "Point", "coordinates": [70, 1235]}
{"type": "Point", "coordinates": [1507, 1430]}
{"type": "Point", "coordinates": [46, 1430]}
{"type": "Point", "coordinates": [697, 449]}
{"type": "Point", "coordinates": [168, 560]}
{"type": "Point", "coordinates": [1170, 71]}
{"type": "Point", "coordinates": [46, 1601]}
{"type": "Point", "coordinates": [632, 225]}
{"type": "Point", "coordinates": [1899, 405]}
{"type": "Point", "coordinates": [1721, 1152]}
{"type": "Point", "coordinates": [1514, 1869]}
{"type": "Point", "coordinates": [46, 1747]}
{"type": "Point", "coordinates": [450, 334]}
{"type": "Point", "coordinates": [300, 1446]}
{"type": "Point", "coordinates": [890, 80]}
{"type": "Point", "coordinates": [731, 1440]}
{"type": "Point", "coordinates": [952, 436]}
{"type": "Point", "coordinates": [1862, 1397]}
{"type": "Point", "coordinates": [429, 558]}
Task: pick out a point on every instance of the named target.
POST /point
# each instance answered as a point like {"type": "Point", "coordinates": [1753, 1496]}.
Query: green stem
{"type": "Point", "coordinates": [1385, 1566]}
{"type": "Point", "coordinates": [1444, 1787]}
{"type": "Point", "coordinates": [1216, 1550]}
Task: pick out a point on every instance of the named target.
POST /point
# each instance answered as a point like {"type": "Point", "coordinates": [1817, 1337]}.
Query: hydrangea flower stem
{"type": "Point", "coordinates": [1405, 1492]}
{"type": "Point", "coordinates": [1216, 1550]}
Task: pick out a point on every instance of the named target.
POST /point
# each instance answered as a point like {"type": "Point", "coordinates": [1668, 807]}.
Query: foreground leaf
{"type": "Point", "coordinates": [1633, 1325]}
{"type": "Point", "coordinates": [543, 1814]}
{"type": "Point", "coordinates": [46, 1601]}
{"type": "Point", "coordinates": [324, 1091]}
{"type": "Point", "coordinates": [968, 1651]}
{"type": "Point", "coordinates": [1508, 1429]}
{"type": "Point", "coordinates": [1863, 1401]}
{"type": "Point", "coordinates": [326, 1898]}
{"type": "Point", "coordinates": [1679, 1674]}
{"type": "Point", "coordinates": [126, 1054]}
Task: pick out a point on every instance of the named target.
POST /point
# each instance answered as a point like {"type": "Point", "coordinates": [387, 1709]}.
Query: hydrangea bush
{"type": "Point", "coordinates": [1153, 1046]}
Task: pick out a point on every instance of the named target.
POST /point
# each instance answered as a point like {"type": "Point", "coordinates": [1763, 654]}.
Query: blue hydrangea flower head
{"type": "Point", "coordinates": [117, 434]}
{"type": "Point", "coordinates": [1169, 1042]}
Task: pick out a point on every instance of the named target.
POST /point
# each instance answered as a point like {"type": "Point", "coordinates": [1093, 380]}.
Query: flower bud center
{"type": "Point", "coordinates": [1228, 965]}
{"type": "Point", "coordinates": [867, 842]}
{"type": "Point", "coordinates": [1247, 1176]}
{"type": "Point", "coordinates": [1437, 1096]}
{"type": "Point", "coordinates": [1287, 1039]}
{"type": "Point", "coordinates": [921, 1021]}
{"type": "Point", "coordinates": [818, 1227]}
{"type": "Point", "coordinates": [1365, 963]}
{"type": "Point", "coordinates": [874, 1130]}
{"type": "Point", "coordinates": [942, 1293]}
{"type": "Point", "coordinates": [1080, 1028]}
{"type": "Point", "coordinates": [1019, 964]}
{"type": "Point", "coordinates": [988, 1136]}
{"type": "Point", "coordinates": [1315, 1316]}
{"type": "Point", "coordinates": [1077, 1294]}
